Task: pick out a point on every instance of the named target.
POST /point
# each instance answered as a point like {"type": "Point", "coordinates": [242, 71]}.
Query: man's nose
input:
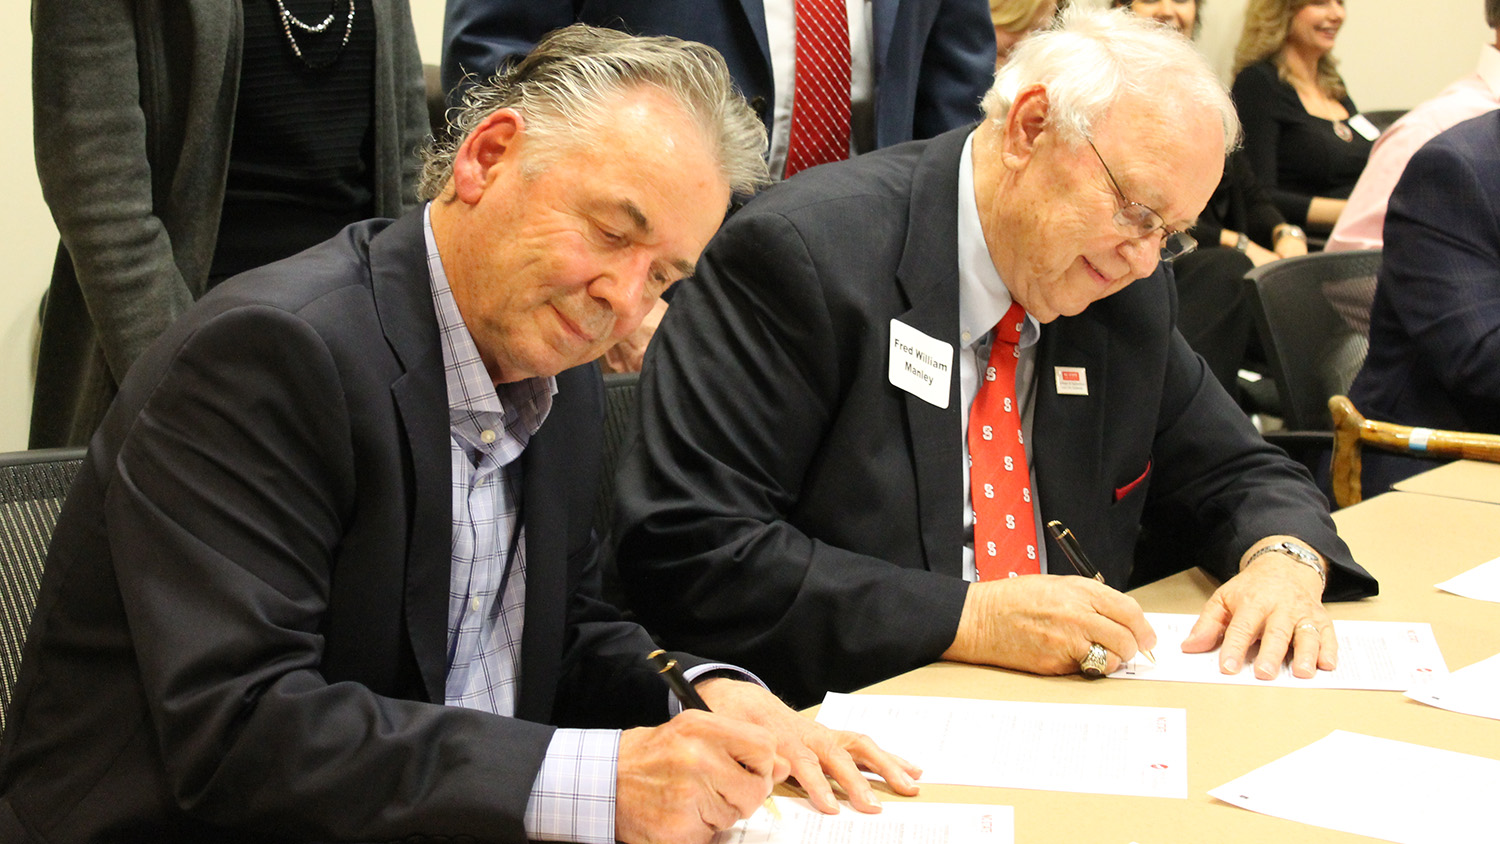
{"type": "Point", "coordinates": [1143, 253]}
{"type": "Point", "coordinates": [624, 288]}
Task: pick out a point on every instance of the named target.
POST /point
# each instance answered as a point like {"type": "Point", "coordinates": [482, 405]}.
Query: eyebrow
{"type": "Point", "coordinates": [643, 226]}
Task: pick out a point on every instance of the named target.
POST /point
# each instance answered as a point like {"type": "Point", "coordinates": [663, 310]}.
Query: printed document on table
{"type": "Point", "coordinates": [1386, 789]}
{"type": "Point", "coordinates": [1385, 655]}
{"type": "Point", "coordinates": [1481, 582]}
{"type": "Point", "coordinates": [1096, 749]}
{"type": "Point", "coordinates": [795, 821]}
{"type": "Point", "coordinates": [1474, 690]}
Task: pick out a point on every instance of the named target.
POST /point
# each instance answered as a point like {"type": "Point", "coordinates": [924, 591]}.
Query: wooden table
{"type": "Point", "coordinates": [1409, 542]}
{"type": "Point", "coordinates": [1467, 479]}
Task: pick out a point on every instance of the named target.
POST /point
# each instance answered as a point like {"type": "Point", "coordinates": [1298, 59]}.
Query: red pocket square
{"type": "Point", "coordinates": [1121, 492]}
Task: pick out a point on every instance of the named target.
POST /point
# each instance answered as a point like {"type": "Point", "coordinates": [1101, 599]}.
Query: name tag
{"type": "Point", "coordinates": [1364, 127]}
{"type": "Point", "coordinates": [920, 365]}
{"type": "Point", "coordinates": [1071, 380]}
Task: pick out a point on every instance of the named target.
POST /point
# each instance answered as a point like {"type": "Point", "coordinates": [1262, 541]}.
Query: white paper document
{"type": "Point", "coordinates": [1474, 690]}
{"type": "Point", "coordinates": [1385, 655]}
{"type": "Point", "coordinates": [1378, 787]}
{"type": "Point", "coordinates": [1481, 582]}
{"type": "Point", "coordinates": [797, 822]}
{"type": "Point", "coordinates": [1138, 750]}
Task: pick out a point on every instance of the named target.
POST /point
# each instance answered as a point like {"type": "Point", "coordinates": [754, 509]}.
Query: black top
{"type": "Point", "coordinates": [1239, 204]}
{"type": "Point", "coordinates": [300, 162]}
{"type": "Point", "coordinates": [1295, 155]}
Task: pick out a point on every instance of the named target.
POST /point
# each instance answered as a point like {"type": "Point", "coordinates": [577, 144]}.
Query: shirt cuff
{"type": "Point", "coordinates": [733, 672]}
{"type": "Point", "coordinates": [573, 797]}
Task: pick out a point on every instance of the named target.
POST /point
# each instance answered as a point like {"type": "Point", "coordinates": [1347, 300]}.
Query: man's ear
{"type": "Point", "coordinates": [496, 142]}
{"type": "Point", "coordinates": [1024, 125]}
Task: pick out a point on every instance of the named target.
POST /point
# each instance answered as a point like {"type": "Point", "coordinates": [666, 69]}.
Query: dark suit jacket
{"type": "Point", "coordinates": [788, 508]}
{"type": "Point", "coordinates": [242, 623]}
{"type": "Point", "coordinates": [1434, 356]}
{"type": "Point", "coordinates": [933, 59]}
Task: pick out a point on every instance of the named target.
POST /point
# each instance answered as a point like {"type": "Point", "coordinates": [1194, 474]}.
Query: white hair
{"type": "Point", "coordinates": [1091, 57]}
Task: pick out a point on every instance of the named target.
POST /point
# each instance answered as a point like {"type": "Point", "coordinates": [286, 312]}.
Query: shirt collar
{"type": "Point", "coordinates": [475, 404]}
{"type": "Point", "coordinates": [1489, 68]}
{"type": "Point", "coordinates": [983, 297]}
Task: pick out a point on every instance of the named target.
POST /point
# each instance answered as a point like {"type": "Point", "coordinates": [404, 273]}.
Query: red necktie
{"type": "Point", "coordinates": [999, 480]}
{"type": "Point", "coordinates": [820, 92]}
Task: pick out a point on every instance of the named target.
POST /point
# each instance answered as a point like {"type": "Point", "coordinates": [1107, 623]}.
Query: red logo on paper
{"type": "Point", "coordinates": [1070, 376]}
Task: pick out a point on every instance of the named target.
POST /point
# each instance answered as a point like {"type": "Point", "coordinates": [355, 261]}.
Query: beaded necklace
{"type": "Point", "coordinates": [289, 20]}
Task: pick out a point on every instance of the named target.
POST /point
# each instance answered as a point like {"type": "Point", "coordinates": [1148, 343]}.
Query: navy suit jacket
{"type": "Point", "coordinates": [1434, 358]}
{"type": "Point", "coordinates": [786, 507]}
{"type": "Point", "coordinates": [242, 626]}
{"type": "Point", "coordinates": [933, 59]}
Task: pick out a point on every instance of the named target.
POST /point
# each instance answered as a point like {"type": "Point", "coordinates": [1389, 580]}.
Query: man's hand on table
{"type": "Point", "coordinates": [702, 771]}
{"type": "Point", "coordinates": [1277, 601]}
{"type": "Point", "coordinates": [1045, 624]}
{"type": "Point", "coordinates": [681, 782]}
{"type": "Point", "coordinates": [814, 752]}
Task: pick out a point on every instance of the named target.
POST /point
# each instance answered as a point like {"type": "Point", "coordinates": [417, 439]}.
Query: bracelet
{"type": "Point", "coordinates": [1243, 243]}
{"type": "Point", "coordinates": [1297, 552]}
{"type": "Point", "coordinates": [1288, 230]}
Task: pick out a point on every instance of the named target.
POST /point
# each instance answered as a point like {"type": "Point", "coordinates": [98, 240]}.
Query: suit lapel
{"type": "Point", "coordinates": [403, 297]}
{"type": "Point", "coordinates": [755, 15]}
{"type": "Point", "coordinates": [545, 517]}
{"type": "Point", "coordinates": [928, 277]}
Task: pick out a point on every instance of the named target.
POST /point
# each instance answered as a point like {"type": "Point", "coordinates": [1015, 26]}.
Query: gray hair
{"type": "Point", "coordinates": [1091, 57]}
{"type": "Point", "coordinates": [572, 77]}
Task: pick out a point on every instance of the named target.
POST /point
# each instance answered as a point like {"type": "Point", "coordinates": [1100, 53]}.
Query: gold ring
{"type": "Point", "coordinates": [1309, 626]}
{"type": "Point", "coordinates": [1095, 662]}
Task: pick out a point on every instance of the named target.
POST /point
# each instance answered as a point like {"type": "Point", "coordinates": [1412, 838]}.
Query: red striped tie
{"type": "Point", "coordinates": [820, 94]}
{"type": "Point", "coordinates": [999, 480]}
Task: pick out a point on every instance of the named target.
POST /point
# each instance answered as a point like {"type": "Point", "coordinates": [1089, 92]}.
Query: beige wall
{"type": "Point", "coordinates": [1394, 53]}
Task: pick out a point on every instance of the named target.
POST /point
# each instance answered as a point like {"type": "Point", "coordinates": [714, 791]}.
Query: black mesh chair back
{"type": "Point", "coordinates": [1313, 327]}
{"type": "Point", "coordinates": [619, 423]}
{"type": "Point", "coordinates": [33, 485]}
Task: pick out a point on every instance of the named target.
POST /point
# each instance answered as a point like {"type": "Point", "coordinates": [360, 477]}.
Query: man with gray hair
{"type": "Point", "coordinates": [890, 373]}
{"type": "Point", "coordinates": [327, 572]}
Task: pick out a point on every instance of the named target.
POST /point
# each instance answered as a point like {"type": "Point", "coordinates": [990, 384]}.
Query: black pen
{"type": "Point", "coordinates": [1074, 552]}
{"type": "Point", "coordinates": [690, 699]}
{"type": "Point", "coordinates": [672, 673]}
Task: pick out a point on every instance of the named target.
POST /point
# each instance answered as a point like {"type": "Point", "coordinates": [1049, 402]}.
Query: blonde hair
{"type": "Point", "coordinates": [1267, 23]}
{"type": "Point", "coordinates": [1013, 16]}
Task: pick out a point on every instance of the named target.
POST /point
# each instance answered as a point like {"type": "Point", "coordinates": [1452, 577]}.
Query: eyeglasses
{"type": "Point", "coordinates": [1136, 220]}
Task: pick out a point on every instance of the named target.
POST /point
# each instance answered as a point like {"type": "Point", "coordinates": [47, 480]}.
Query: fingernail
{"type": "Point", "coordinates": [871, 798]}
{"type": "Point", "coordinates": [1230, 666]}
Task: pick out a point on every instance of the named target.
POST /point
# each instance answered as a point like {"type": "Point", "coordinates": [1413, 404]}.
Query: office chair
{"type": "Point", "coordinates": [33, 485]}
{"type": "Point", "coordinates": [1314, 345]}
{"type": "Point", "coordinates": [1352, 430]}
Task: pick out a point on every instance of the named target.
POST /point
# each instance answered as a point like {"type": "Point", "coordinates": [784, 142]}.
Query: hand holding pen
{"type": "Point", "coordinates": [1080, 561]}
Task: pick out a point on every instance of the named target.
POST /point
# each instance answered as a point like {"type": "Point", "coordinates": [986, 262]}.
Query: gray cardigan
{"type": "Point", "coordinates": [134, 106]}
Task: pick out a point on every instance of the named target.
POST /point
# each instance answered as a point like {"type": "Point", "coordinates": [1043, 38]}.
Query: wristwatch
{"type": "Point", "coordinates": [1297, 551]}
{"type": "Point", "coordinates": [1243, 242]}
{"type": "Point", "coordinates": [1288, 230]}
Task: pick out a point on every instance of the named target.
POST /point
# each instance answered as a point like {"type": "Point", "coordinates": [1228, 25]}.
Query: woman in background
{"type": "Point", "coordinates": [1305, 139]}
{"type": "Point", "coordinates": [1016, 19]}
{"type": "Point", "coordinates": [181, 141]}
{"type": "Point", "coordinates": [1240, 228]}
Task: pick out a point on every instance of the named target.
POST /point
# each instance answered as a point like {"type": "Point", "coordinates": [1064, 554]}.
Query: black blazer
{"type": "Point", "coordinates": [241, 631]}
{"type": "Point", "coordinates": [1435, 325]}
{"type": "Point", "coordinates": [788, 509]}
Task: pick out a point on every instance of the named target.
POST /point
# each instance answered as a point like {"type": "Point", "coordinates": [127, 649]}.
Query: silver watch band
{"type": "Point", "coordinates": [1288, 549]}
